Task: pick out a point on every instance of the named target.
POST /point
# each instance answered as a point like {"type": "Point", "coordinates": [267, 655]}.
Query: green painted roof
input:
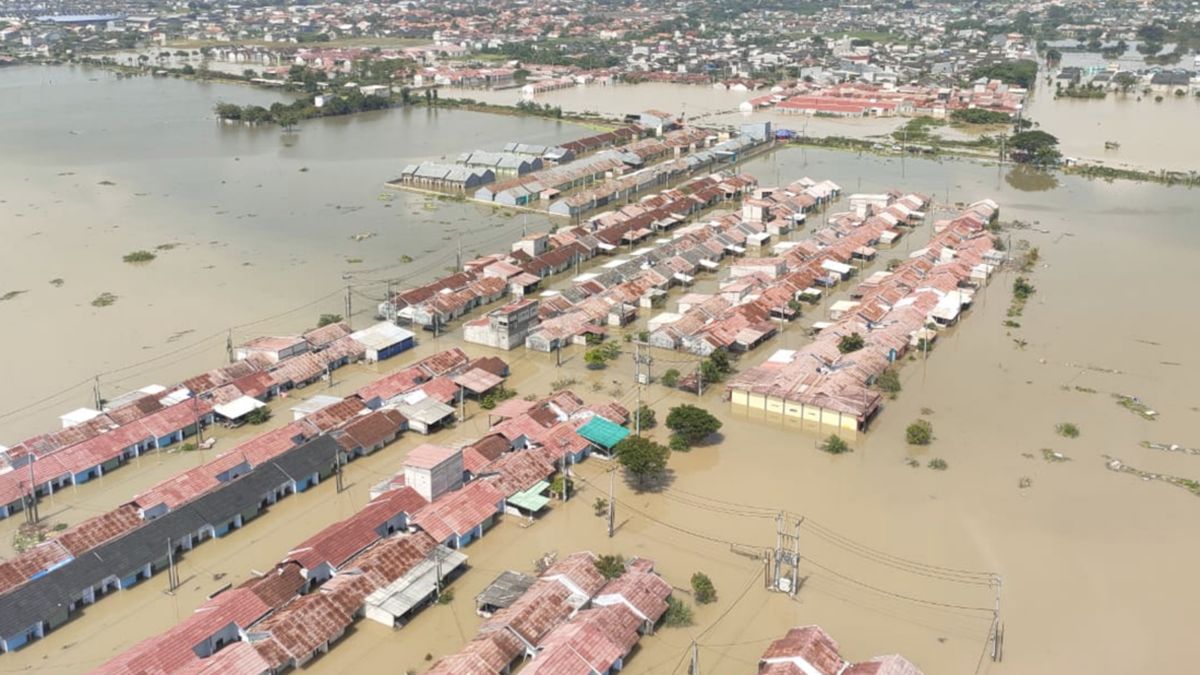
{"type": "Point", "coordinates": [602, 432]}
{"type": "Point", "coordinates": [531, 499]}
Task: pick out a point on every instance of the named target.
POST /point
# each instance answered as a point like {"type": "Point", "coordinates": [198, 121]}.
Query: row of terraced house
{"type": "Point", "coordinates": [396, 555]}
{"type": "Point", "coordinates": [43, 587]}
{"type": "Point", "coordinates": [892, 311]}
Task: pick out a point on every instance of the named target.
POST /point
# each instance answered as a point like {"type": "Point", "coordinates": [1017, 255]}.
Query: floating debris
{"type": "Point", "coordinates": [1054, 456]}
{"type": "Point", "coordinates": [106, 183]}
{"type": "Point", "coordinates": [10, 295]}
{"type": "Point", "coordinates": [362, 236]}
{"type": "Point", "coordinates": [1025, 482]}
{"type": "Point", "coordinates": [1170, 447]}
{"type": "Point", "coordinates": [57, 282]}
{"type": "Point", "coordinates": [1135, 405]}
{"type": "Point", "coordinates": [1192, 486]}
{"type": "Point", "coordinates": [168, 246]}
{"type": "Point", "coordinates": [1098, 369]}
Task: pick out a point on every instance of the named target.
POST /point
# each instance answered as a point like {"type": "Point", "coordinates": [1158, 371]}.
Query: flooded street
{"type": "Point", "coordinates": [1096, 565]}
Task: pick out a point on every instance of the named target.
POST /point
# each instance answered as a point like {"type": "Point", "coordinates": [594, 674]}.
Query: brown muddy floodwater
{"type": "Point", "coordinates": [254, 223]}
{"type": "Point", "coordinates": [1097, 566]}
{"type": "Point", "coordinates": [1152, 135]}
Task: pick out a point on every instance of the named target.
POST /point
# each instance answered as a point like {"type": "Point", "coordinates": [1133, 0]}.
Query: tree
{"type": "Point", "coordinates": [720, 359]}
{"type": "Point", "coordinates": [561, 487]}
{"type": "Point", "coordinates": [610, 566]}
{"type": "Point", "coordinates": [1022, 289]}
{"type": "Point", "coordinates": [287, 119]}
{"type": "Point", "coordinates": [703, 589]}
{"type": "Point", "coordinates": [709, 371]}
{"type": "Point", "coordinates": [644, 417]}
{"type": "Point", "coordinates": [834, 445]}
{"type": "Point", "coordinates": [594, 358]}
{"type": "Point", "coordinates": [229, 111]}
{"type": "Point", "coordinates": [670, 378]}
{"type": "Point", "coordinates": [1036, 147]}
{"type": "Point", "coordinates": [677, 614]}
{"type": "Point", "coordinates": [1125, 80]}
{"type": "Point", "coordinates": [850, 343]}
{"type": "Point", "coordinates": [642, 457]}
{"type": "Point", "coordinates": [889, 381]}
{"type": "Point", "coordinates": [919, 432]}
{"type": "Point", "coordinates": [258, 415]}
{"type": "Point", "coordinates": [691, 423]}
{"type": "Point", "coordinates": [1053, 55]}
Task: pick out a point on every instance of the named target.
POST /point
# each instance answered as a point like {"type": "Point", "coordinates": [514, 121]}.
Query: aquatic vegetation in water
{"type": "Point", "coordinates": [104, 299]}
{"type": "Point", "coordinates": [1169, 447]}
{"type": "Point", "coordinates": [1192, 486]}
{"type": "Point", "coordinates": [141, 256]}
{"type": "Point", "coordinates": [57, 282]}
{"type": "Point", "coordinates": [12, 294]}
{"type": "Point", "coordinates": [1135, 405]}
{"type": "Point", "coordinates": [1067, 430]}
{"type": "Point", "coordinates": [938, 464]}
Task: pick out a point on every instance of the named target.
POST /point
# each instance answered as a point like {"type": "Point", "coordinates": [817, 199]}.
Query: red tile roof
{"type": "Point", "coordinates": [458, 512]}
{"type": "Point", "coordinates": [810, 643]}
{"type": "Point", "coordinates": [428, 456]}
{"type": "Point", "coordinates": [893, 664]}
{"type": "Point", "coordinates": [171, 651]}
{"type": "Point", "coordinates": [393, 385]}
{"type": "Point", "coordinates": [343, 540]}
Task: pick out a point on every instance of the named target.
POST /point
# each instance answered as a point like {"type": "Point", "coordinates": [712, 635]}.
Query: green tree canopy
{"type": "Point", "coordinates": [691, 423]}
{"type": "Point", "coordinates": [642, 457]}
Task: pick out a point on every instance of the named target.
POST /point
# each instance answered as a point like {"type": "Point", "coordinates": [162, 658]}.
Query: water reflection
{"type": "Point", "coordinates": [1029, 179]}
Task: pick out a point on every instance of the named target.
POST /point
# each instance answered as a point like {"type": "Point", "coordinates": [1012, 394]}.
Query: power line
{"type": "Point", "coordinates": [899, 596]}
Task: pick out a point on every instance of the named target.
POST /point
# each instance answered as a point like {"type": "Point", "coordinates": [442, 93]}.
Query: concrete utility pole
{"type": "Point", "coordinates": [389, 308]}
{"type": "Point", "coordinates": [637, 416]}
{"type": "Point", "coordinates": [31, 513]}
{"type": "Point", "coordinates": [462, 404]}
{"type": "Point", "coordinates": [612, 502]}
{"type": "Point", "coordinates": [96, 393]}
{"type": "Point", "coordinates": [337, 463]}
{"type": "Point", "coordinates": [349, 305]}
{"type": "Point", "coordinates": [172, 572]}
{"type": "Point", "coordinates": [997, 637]}
{"type": "Point", "coordinates": [229, 345]}
{"type": "Point", "coordinates": [694, 669]}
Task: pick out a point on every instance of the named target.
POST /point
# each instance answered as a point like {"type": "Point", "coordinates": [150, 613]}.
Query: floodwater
{"type": "Point", "coordinates": [701, 104]}
{"type": "Point", "coordinates": [1096, 565]}
{"type": "Point", "coordinates": [258, 223]}
{"type": "Point", "coordinates": [1153, 135]}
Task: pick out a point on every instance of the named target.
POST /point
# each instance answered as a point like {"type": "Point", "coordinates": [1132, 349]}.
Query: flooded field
{"type": "Point", "coordinates": [1096, 565]}
{"type": "Point", "coordinates": [1153, 135]}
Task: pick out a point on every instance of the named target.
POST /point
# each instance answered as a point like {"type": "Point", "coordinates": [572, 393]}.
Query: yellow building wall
{"type": "Point", "coordinates": [774, 405]}
{"type": "Point", "coordinates": [756, 401]}
{"type": "Point", "coordinates": [831, 417]}
{"type": "Point", "coordinates": [738, 397]}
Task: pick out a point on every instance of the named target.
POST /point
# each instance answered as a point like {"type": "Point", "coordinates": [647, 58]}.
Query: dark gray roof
{"type": "Point", "coordinates": [505, 590]}
{"type": "Point", "coordinates": [316, 456]}
{"type": "Point", "coordinates": [42, 597]}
